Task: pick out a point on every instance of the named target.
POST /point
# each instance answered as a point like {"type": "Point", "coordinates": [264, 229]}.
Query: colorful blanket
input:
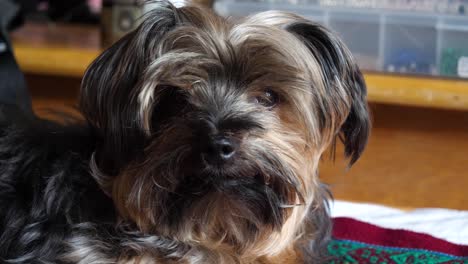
{"type": "Point", "coordinates": [359, 242]}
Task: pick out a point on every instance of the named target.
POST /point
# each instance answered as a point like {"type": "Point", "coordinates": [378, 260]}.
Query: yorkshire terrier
{"type": "Point", "coordinates": [200, 144]}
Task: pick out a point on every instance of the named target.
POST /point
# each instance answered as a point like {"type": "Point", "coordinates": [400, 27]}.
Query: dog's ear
{"type": "Point", "coordinates": [107, 98]}
{"type": "Point", "coordinates": [343, 81]}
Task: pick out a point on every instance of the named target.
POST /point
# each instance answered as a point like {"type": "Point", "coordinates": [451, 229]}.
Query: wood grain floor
{"type": "Point", "coordinates": [416, 157]}
{"type": "Point", "coordinates": [53, 93]}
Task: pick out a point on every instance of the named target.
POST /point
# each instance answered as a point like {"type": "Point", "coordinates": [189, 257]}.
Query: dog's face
{"type": "Point", "coordinates": [212, 130]}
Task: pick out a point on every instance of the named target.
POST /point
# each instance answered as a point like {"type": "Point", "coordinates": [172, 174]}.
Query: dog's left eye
{"type": "Point", "coordinates": [268, 98]}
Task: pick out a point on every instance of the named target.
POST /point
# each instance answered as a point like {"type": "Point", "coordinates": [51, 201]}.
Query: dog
{"type": "Point", "coordinates": [199, 143]}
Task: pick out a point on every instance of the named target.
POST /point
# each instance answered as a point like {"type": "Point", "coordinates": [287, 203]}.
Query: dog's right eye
{"type": "Point", "coordinates": [268, 98]}
{"type": "Point", "coordinates": [171, 103]}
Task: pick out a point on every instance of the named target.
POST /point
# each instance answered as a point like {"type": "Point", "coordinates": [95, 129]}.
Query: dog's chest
{"type": "Point", "coordinates": [140, 260]}
{"type": "Point", "coordinates": [288, 258]}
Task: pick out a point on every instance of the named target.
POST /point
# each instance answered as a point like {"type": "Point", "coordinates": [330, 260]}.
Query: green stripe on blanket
{"type": "Point", "coordinates": [356, 252]}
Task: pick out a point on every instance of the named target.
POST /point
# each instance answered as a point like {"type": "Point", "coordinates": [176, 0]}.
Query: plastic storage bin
{"type": "Point", "coordinates": [453, 60]}
{"type": "Point", "coordinates": [383, 40]}
{"type": "Point", "coordinates": [361, 33]}
{"type": "Point", "coordinates": [410, 44]}
{"type": "Point", "coordinates": [240, 8]}
{"type": "Point", "coordinates": [245, 8]}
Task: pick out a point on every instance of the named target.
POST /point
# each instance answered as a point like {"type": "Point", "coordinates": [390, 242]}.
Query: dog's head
{"type": "Point", "coordinates": [211, 129]}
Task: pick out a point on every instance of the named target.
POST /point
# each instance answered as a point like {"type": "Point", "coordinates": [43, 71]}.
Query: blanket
{"type": "Point", "coordinates": [365, 233]}
{"type": "Point", "coordinates": [359, 242]}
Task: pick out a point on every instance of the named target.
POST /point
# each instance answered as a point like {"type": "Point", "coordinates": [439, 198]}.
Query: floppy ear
{"type": "Point", "coordinates": [341, 75]}
{"type": "Point", "coordinates": [107, 98]}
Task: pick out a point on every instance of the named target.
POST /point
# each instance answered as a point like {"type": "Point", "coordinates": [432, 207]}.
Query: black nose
{"type": "Point", "coordinates": [220, 149]}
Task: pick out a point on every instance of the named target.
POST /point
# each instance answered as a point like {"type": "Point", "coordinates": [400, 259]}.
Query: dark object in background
{"type": "Point", "coordinates": [13, 89]}
{"type": "Point", "coordinates": [118, 18]}
{"type": "Point", "coordinates": [70, 11]}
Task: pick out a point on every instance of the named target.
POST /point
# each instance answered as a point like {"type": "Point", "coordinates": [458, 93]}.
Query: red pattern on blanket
{"type": "Point", "coordinates": [359, 242]}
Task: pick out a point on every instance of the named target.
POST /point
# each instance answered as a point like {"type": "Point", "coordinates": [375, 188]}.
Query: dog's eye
{"type": "Point", "coordinates": [268, 98]}
{"type": "Point", "coordinates": [172, 101]}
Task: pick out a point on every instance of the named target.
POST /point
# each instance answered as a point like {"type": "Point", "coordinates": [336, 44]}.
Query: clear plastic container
{"type": "Point", "coordinates": [314, 14]}
{"type": "Point", "coordinates": [361, 33]}
{"type": "Point", "coordinates": [383, 40]}
{"type": "Point", "coordinates": [453, 58]}
{"type": "Point", "coordinates": [239, 8]}
{"type": "Point", "coordinates": [245, 8]}
{"type": "Point", "coordinates": [410, 44]}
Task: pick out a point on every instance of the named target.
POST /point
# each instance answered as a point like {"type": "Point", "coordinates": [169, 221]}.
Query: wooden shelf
{"type": "Point", "coordinates": [54, 61]}
{"type": "Point", "coordinates": [417, 91]}
{"type": "Point", "coordinates": [67, 51]}
{"type": "Point", "coordinates": [63, 50]}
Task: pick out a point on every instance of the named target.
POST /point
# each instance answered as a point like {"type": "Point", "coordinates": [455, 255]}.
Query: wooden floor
{"type": "Point", "coordinates": [416, 157]}
{"type": "Point", "coordinates": [51, 94]}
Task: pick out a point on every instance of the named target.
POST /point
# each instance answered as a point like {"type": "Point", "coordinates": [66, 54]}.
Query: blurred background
{"type": "Point", "coordinates": [414, 54]}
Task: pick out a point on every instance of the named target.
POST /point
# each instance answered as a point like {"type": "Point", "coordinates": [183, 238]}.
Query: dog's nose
{"type": "Point", "coordinates": [220, 149]}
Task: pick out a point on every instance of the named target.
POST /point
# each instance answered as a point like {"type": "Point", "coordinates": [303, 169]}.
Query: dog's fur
{"type": "Point", "coordinates": [131, 183]}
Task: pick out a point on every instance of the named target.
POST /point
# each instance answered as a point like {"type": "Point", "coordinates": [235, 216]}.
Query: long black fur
{"type": "Point", "coordinates": [45, 188]}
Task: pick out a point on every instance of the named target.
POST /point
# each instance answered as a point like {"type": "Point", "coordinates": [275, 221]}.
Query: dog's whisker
{"type": "Point", "coordinates": [290, 205]}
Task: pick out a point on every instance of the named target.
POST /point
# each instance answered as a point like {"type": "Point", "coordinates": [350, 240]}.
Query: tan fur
{"type": "Point", "coordinates": [186, 56]}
